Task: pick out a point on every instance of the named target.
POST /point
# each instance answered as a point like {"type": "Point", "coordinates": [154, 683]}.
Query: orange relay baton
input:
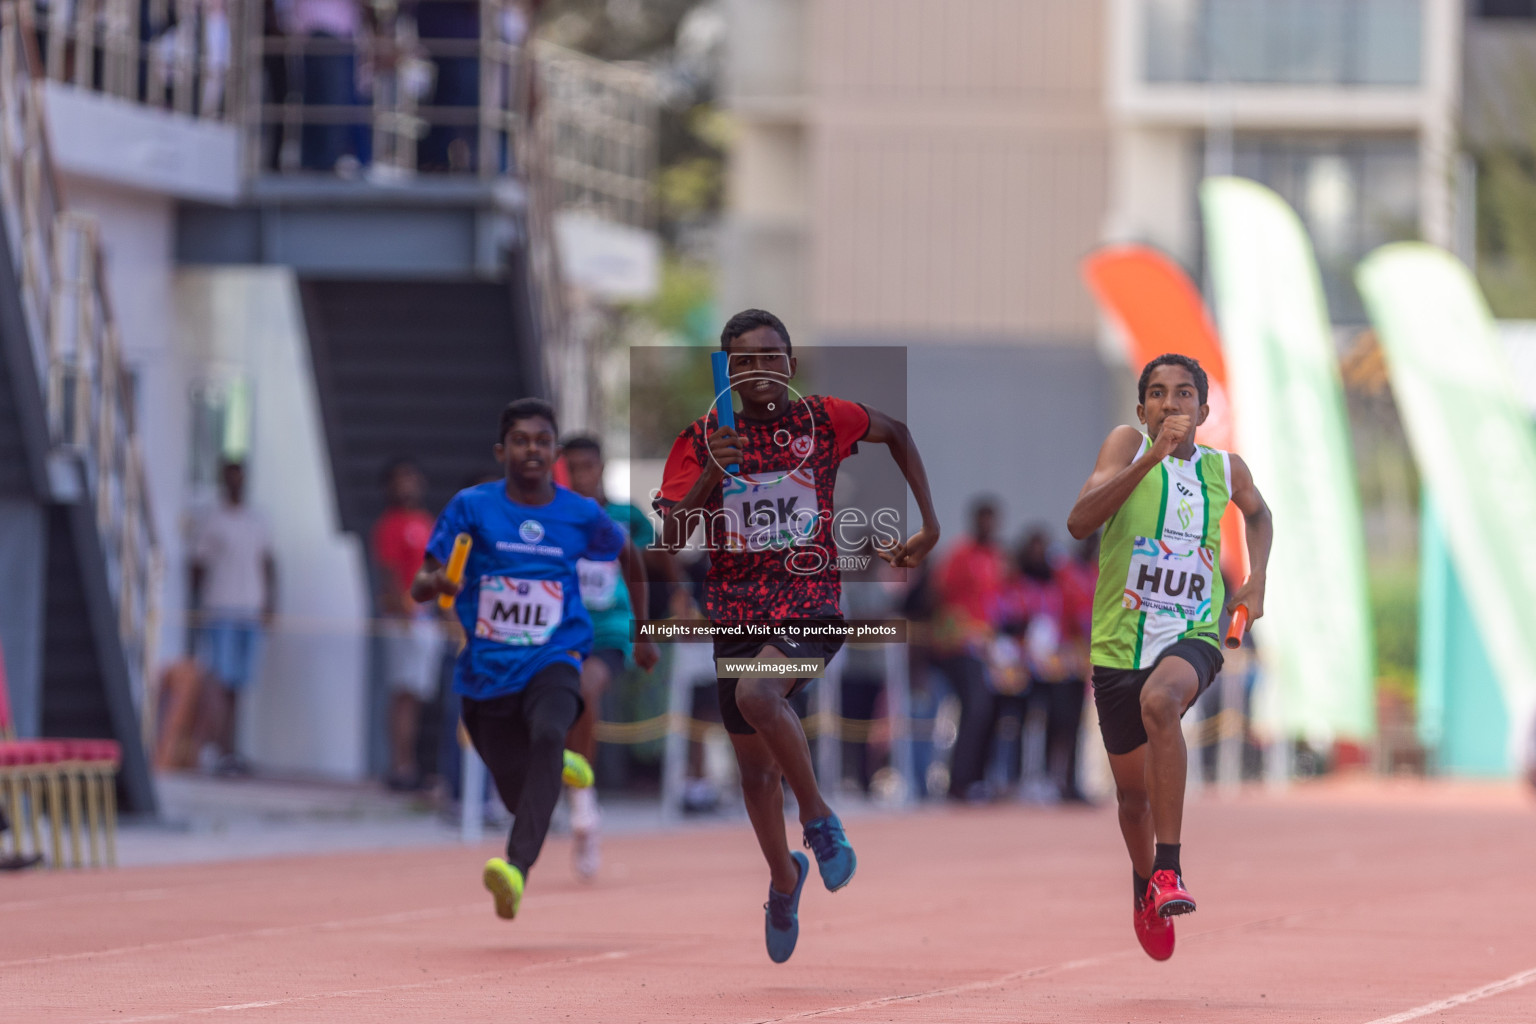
{"type": "Point", "coordinates": [1238, 628]}
{"type": "Point", "coordinates": [456, 562]}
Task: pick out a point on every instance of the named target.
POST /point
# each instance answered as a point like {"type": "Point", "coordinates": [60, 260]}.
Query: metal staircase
{"type": "Point", "coordinates": [68, 439]}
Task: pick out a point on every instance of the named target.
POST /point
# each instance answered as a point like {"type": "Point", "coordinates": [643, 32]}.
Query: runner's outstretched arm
{"type": "Point", "coordinates": [1118, 471]}
{"type": "Point", "coordinates": [633, 567]}
{"type": "Point", "coordinates": [431, 580]}
{"type": "Point", "coordinates": [677, 523]}
{"type": "Point", "coordinates": [894, 435]}
{"type": "Point", "coordinates": [1260, 532]}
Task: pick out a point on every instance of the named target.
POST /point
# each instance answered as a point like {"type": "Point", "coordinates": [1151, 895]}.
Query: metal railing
{"type": "Point", "coordinates": [597, 121]}
{"type": "Point", "coordinates": [391, 99]}
{"type": "Point", "coordinates": [388, 97]}
{"type": "Point", "coordinates": [170, 54]}
{"type": "Point", "coordinates": [75, 343]}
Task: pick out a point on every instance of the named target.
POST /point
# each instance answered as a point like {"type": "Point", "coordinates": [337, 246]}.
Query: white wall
{"type": "Point", "coordinates": [307, 712]}
{"type": "Point", "coordinates": [129, 145]}
{"type": "Point", "coordinates": [1152, 195]}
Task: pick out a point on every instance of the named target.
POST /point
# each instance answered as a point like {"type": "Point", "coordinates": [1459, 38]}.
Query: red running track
{"type": "Point", "coordinates": [1347, 904]}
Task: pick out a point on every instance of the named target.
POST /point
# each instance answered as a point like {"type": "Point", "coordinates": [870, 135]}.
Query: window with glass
{"type": "Point", "coordinates": [1352, 194]}
{"type": "Point", "coordinates": [1506, 8]}
{"type": "Point", "coordinates": [1284, 42]}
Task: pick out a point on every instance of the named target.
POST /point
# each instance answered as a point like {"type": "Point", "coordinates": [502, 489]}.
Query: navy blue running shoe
{"type": "Point", "coordinates": [782, 920]}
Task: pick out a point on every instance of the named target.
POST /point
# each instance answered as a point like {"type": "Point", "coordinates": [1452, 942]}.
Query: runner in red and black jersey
{"type": "Point", "coordinates": [773, 560]}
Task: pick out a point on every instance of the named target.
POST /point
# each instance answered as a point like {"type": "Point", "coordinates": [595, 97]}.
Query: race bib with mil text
{"type": "Point", "coordinates": [519, 612]}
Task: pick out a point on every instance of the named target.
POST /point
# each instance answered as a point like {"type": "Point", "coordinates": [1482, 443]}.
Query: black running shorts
{"type": "Point", "coordinates": [793, 647]}
{"type": "Point", "coordinates": [1117, 692]}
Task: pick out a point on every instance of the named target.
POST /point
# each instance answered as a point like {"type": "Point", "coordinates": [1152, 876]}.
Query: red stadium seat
{"type": "Point", "coordinates": [55, 773]}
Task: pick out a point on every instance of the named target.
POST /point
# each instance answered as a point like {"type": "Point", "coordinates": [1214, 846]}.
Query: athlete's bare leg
{"type": "Point", "coordinates": [1172, 687]}
{"type": "Point", "coordinates": [765, 708]}
{"type": "Point", "coordinates": [404, 724]}
{"type": "Point", "coordinates": [763, 790]}
{"type": "Point", "coordinates": [1149, 781]}
{"type": "Point", "coordinates": [1130, 771]}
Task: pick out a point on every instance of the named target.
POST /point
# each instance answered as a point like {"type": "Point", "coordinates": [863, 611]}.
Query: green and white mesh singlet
{"type": "Point", "coordinates": [1159, 575]}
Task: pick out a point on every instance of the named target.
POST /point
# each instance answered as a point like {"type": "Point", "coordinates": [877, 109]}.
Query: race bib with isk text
{"type": "Point", "coordinates": [771, 512]}
{"type": "Point", "coordinates": [1169, 580]}
{"type": "Point", "coordinates": [519, 612]}
{"type": "Point", "coordinates": [599, 583]}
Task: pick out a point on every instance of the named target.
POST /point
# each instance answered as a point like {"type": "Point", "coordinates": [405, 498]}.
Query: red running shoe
{"type": "Point", "coordinates": [1166, 894]}
{"type": "Point", "coordinates": [1153, 931]}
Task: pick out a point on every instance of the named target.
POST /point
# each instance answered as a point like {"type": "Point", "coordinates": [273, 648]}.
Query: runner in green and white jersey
{"type": "Point", "coordinates": [1160, 498]}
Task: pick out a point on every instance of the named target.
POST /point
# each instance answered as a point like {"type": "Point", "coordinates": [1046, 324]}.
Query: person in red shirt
{"type": "Point", "coordinates": [1079, 575]}
{"type": "Point", "coordinates": [968, 587]}
{"type": "Point", "coordinates": [768, 526]}
{"type": "Point", "coordinates": [1040, 606]}
{"type": "Point", "coordinates": [413, 636]}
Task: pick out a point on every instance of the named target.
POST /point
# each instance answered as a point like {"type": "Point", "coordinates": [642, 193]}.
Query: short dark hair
{"type": "Point", "coordinates": [751, 320]}
{"type": "Point", "coordinates": [583, 443]}
{"type": "Point", "coordinates": [395, 465]}
{"type": "Point", "coordinates": [526, 409]}
{"type": "Point", "coordinates": [1202, 382]}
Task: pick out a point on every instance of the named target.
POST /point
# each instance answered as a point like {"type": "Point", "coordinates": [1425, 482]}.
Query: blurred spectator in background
{"type": "Point", "coordinates": [1078, 574]}
{"type": "Point", "coordinates": [214, 70]}
{"type": "Point", "coordinates": [413, 633]}
{"type": "Point", "coordinates": [182, 711]}
{"type": "Point", "coordinates": [449, 29]}
{"type": "Point", "coordinates": [864, 665]}
{"type": "Point", "coordinates": [928, 684]}
{"type": "Point", "coordinates": [332, 30]}
{"type": "Point", "coordinates": [607, 602]}
{"type": "Point", "coordinates": [233, 597]}
{"type": "Point", "coordinates": [193, 50]}
{"type": "Point", "coordinates": [1036, 611]}
{"type": "Point", "coordinates": [452, 739]}
{"type": "Point", "coordinates": [967, 586]}
{"type": "Point", "coordinates": [275, 79]}
{"type": "Point", "coordinates": [693, 667]}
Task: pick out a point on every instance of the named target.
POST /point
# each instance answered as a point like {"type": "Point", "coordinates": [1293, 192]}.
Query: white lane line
{"type": "Point", "coordinates": [1031, 973]}
{"type": "Point", "coordinates": [350, 993]}
{"type": "Point", "coordinates": [1510, 983]}
{"type": "Point", "coordinates": [555, 900]}
{"type": "Point", "coordinates": [121, 896]}
{"type": "Point", "coordinates": [972, 986]}
{"type": "Point", "coordinates": [256, 933]}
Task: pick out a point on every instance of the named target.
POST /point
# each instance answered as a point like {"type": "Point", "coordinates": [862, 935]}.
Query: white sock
{"type": "Point", "coordinates": [584, 814]}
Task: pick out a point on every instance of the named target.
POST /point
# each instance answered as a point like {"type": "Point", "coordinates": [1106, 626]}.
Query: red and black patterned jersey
{"type": "Point", "coordinates": [769, 526]}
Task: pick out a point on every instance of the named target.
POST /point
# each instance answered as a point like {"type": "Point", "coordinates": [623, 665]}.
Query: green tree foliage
{"type": "Point", "coordinates": [1506, 198]}
{"type": "Point", "coordinates": [614, 29]}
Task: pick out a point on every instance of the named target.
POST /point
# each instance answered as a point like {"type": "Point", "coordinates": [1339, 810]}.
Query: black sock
{"type": "Point", "coordinates": [1167, 858]}
{"type": "Point", "coordinates": [1140, 884]}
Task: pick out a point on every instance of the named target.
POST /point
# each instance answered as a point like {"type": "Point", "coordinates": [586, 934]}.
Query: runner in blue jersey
{"type": "Point", "coordinates": [520, 606]}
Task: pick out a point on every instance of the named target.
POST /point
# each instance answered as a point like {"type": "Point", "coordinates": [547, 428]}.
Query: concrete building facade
{"type": "Point", "coordinates": [928, 174]}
